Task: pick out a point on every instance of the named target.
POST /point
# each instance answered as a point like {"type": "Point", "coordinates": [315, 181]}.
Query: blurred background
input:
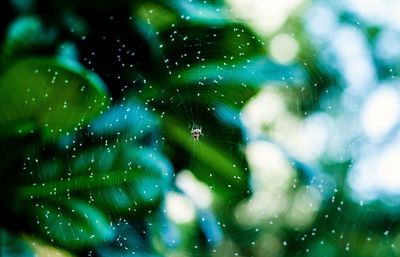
{"type": "Point", "coordinates": [298, 102]}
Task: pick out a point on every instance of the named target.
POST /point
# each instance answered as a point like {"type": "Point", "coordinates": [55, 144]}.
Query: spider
{"type": "Point", "coordinates": [196, 133]}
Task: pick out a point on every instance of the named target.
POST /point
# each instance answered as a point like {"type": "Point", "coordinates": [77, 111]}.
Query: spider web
{"type": "Point", "coordinates": [338, 223]}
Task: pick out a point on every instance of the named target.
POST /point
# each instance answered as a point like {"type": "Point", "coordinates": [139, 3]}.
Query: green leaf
{"type": "Point", "coordinates": [14, 246]}
{"type": "Point", "coordinates": [252, 72]}
{"type": "Point", "coordinates": [73, 224]}
{"type": "Point", "coordinates": [129, 179]}
{"type": "Point", "coordinates": [156, 15]}
{"type": "Point", "coordinates": [138, 180]}
{"type": "Point", "coordinates": [23, 34]}
{"type": "Point", "coordinates": [182, 44]}
{"type": "Point", "coordinates": [133, 119]}
{"type": "Point", "coordinates": [112, 189]}
{"type": "Point", "coordinates": [202, 12]}
{"type": "Point", "coordinates": [49, 95]}
{"type": "Point", "coordinates": [229, 83]}
{"type": "Point", "coordinates": [188, 45]}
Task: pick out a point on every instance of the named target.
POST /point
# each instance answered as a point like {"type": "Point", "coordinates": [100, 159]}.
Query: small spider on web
{"type": "Point", "coordinates": [196, 133]}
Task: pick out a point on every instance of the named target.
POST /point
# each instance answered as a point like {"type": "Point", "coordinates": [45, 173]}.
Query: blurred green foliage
{"type": "Point", "coordinates": [85, 150]}
{"type": "Point", "coordinates": [97, 103]}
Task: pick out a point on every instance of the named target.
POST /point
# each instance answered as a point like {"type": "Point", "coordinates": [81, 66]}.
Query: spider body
{"type": "Point", "coordinates": [196, 133]}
